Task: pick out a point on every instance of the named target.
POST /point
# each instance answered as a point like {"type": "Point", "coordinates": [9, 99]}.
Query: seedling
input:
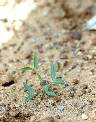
{"type": "Point", "coordinates": [45, 86]}
{"type": "Point", "coordinates": [54, 81]}
{"type": "Point", "coordinates": [29, 90]}
{"type": "Point", "coordinates": [49, 93]}
{"type": "Point", "coordinates": [53, 76]}
{"type": "Point", "coordinates": [34, 65]}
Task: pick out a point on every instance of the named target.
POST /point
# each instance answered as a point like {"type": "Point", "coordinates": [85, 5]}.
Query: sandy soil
{"type": "Point", "coordinates": [56, 29]}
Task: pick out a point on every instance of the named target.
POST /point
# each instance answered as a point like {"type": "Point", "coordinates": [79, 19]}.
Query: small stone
{"type": "Point", "coordinates": [63, 56]}
{"type": "Point", "coordinates": [83, 91]}
{"type": "Point", "coordinates": [79, 93]}
{"type": "Point", "coordinates": [76, 35]}
{"type": "Point", "coordinates": [92, 70]}
{"type": "Point", "coordinates": [65, 63]}
{"type": "Point", "coordinates": [66, 85]}
{"type": "Point", "coordinates": [75, 81]}
{"type": "Point", "coordinates": [84, 117]}
{"type": "Point", "coordinates": [48, 119]}
{"type": "Point", "coordinates": [89, 91]}
{"type": "Point", "coordinates": [57, 117]}
{"type": "Point", "coordinates": [90, 102]}
{"type": "Point", "coordinates": [71, 94]}
{"type": "Point", "coordinates": [57, 99]}
{"type": "Point", "coordinates": [84, 86]}
{"type": "Point", "coordinates": [13, 113]}
{"type": "Point", "coordinates": [61, 108]}
{"type": "Point", "coordinates": [32, 119]}
{"type": "Point", "coordinates": [58, 13]}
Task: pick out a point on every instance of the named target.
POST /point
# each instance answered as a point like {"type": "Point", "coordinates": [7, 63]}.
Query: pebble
{"type": "Point", "coordinates": [61, 108]}
{"type": "Point", "coordinates": [58, 13]}
{"type": "Point", "coordinates": [57, 117]}
{"type": "Point", "coordinates": [13, 113]}
{"type": "Point", "coordinates": [84, 117]}
{"type": "Point", "coordinates": [63, 56]}
{"type": "Point", "coordinates": [83, 91]}
{"type": "Point", "coordinates": [90, 102]}
{"type": "Point", "coordinates": [48, 119]}
{"type": "Point", "coordinates": [71, 94]}
{"type": "Point", "coordinates": [88, 90]}
{"type": "Point", "coordinates": [65, 63]}
{"type": "Point", "coordinates": [84, 86]}
{"type": "Point", "coordinates": [32, 119]}
{"type": "Point", "coordinates": [75, 81]}
{"type": "Point", "coordinates": [76, 35]}
{"type": "Point", "coordinates": [79, 93]}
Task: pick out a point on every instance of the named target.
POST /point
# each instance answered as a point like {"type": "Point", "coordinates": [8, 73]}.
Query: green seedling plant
{"type": "Point", "coordinates": [46, 87]}
{"type": "Point", "coordinates": [55, 81]}
{"type": "Point", "coordinates": [29, 90]}
{"type": "Point", "coordinates": [53, 76]}
{"type": "Point", "coordinates": [34, 65]}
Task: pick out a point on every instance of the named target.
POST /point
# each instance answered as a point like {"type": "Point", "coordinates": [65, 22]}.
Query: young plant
{"type": "Point", "coordinates": [34, 65]}
{"type": "Point", "coordinates": [53, 76]}
{"type": "Point", "coordinates": [45, 86]}
{"type": "Point", "coordinates": [54, 81]}
{"type": "Point", "coordinates": [29, 90]}
{"type": "Point", "coordinates": [33, 68]}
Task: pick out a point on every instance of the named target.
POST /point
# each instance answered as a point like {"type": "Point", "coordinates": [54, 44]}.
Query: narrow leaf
{"type": "Point", "coordinates": [52, 72]}
{"type": "Point", "coordinates": [58, 81]}
{"type": "Point", "coordinates": [35, 60]}
{"type": "Point", "coordinates": [24, 69]}
{"type": "Point", "coordinates": [29, 90]}
{"type": "Point", "coordinates": [49, 93]}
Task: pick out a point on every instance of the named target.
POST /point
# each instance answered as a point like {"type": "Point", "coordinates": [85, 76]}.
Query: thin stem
{"type": "Point", "coordinates": [39, 77]}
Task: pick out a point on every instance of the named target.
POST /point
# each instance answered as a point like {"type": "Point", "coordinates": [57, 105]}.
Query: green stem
{"type": "Point", "coordinates": [40, 78]}
{"type": "Point", "coordinates": [42, 82]}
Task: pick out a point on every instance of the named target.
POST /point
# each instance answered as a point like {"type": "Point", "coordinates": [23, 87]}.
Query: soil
{"type": "Point", "coordinates": [56, 30]}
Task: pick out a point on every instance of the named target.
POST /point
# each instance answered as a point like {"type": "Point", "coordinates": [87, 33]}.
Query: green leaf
{"type": "Point", "coordinates": [53, 76]}
{"type": "Point", "coordinates": [29, 90]}
{"type": "Point", "coordinates": [35, 60]}
{"type": "Point", "coordinates": [24, 69]}
{"type": "Point", "coordinates": [52, 72]}
{"type": "Point", "coordinates": [49, 93]}
{"type": "Point", "coordinates": [58, 81]}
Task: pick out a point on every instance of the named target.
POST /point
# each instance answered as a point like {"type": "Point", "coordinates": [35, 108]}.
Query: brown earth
{"type": "Point", "coordinates": [56, 30]}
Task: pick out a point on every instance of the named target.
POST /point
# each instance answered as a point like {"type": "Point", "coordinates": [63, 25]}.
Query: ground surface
{"type": "Point", "coordinates": [56, 29]}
